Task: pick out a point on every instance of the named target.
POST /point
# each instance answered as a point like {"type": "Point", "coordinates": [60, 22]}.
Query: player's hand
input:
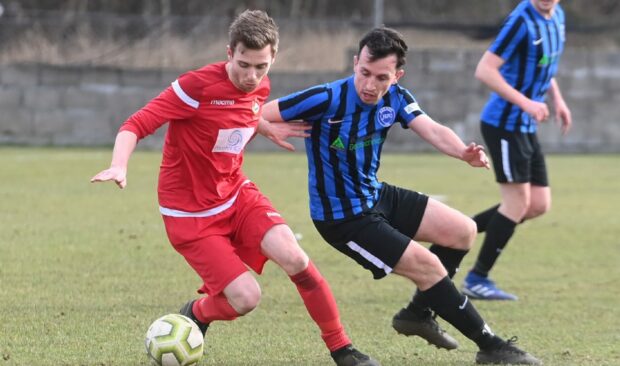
{"type": "Point", "coordinates": [538, 110]}
{"type": "Point", "coordinates": [280, 131]}
{"type": "Point", "coordinates": [474, 155]}
{"type": "Point", "coordinates": [117, 174]}
{"type": "Point", "coordinates": [563, 116]}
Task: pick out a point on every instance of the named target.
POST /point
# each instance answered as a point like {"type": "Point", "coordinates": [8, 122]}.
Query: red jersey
{"type": "Point", "coordinates": [210, 123]}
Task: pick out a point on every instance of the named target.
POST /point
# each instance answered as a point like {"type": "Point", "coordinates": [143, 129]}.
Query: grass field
{"type": "Point", "coordinates": [85, 268]}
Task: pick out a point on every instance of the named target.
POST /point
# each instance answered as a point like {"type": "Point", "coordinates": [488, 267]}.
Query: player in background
{"type": "Point", "coordinates": [379, 225]}
{"type": "Point", "coordinates": [519, 68]}
{"type": "Point", "coordinates": [214, 215]}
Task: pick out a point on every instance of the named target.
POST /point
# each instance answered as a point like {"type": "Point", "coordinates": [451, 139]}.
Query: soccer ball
{"type": "Point", "coordinates": [174, 340]}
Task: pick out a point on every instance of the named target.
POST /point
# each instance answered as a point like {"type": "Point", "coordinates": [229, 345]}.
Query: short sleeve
{"type": "Point", "coordinates": [310, 104]}
{"type": "Point", "coordinates": [512, 33]}
{"type": "Point", "coordinates": [409, 108]}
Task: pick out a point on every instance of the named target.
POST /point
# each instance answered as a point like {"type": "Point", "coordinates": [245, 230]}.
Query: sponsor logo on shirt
{"type": "Point", "coordinates": [272, 214]}
{"type": "Point", "coordinates": [372, 140]}
{"type": "Point", "coordinates": [222, 102]}
{"type": "Point", "coordinates": [386, 116]}
{"type": "Point", "coordinates": [544, 61]}
{"type": "Point", "coordinates": [232, 140]}
{"type": "Point", "coordinates": [367, 141]}
{"type": "Point", "coordinates": [337, 144]}
{"type": "Point", "coordinates": [547, 60]}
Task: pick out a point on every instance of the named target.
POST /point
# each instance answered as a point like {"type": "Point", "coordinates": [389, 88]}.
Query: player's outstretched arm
{"type": "Point", "coordinates": [269, 126]}
{"type": "Point", "coordinates": [123, 147]}
{"type": "Point", "coordinates": [446, 141]}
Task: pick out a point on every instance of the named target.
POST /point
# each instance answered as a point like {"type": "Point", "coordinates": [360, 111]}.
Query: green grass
{"type": "Point", "coordinates": [85, 268]}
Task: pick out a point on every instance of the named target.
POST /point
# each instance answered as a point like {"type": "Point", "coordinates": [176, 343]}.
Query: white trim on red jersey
{"type": "Point", "coordinates": [206, 213]}
{"type": "Point", "coordinates": [183, 96]}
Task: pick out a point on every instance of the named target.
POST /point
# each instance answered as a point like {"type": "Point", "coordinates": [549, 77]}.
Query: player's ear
{"type": "Point", "coordinates": [399, 74]}
{"type": "Point", "coordinates": [355, 61]}
{"type": "Point", "coordinates": [229, 52]}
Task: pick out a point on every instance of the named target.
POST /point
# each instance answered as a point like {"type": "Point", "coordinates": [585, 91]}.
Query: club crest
{"type": "Point", "coordinates": [386, 116]}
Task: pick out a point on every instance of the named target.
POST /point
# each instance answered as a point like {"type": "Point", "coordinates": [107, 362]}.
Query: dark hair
{"type": "Point", "coordinates": [255, 29]}
{"type": "Point", "coordinates": [382, 42]}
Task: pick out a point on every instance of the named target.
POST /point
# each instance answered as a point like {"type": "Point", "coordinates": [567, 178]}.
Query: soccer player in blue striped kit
{"type": "Point", "coordinates": [377, 224]}
{"type": "Point", "coordinates": [519, 68]}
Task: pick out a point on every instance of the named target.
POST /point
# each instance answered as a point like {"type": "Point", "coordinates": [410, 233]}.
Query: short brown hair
{"type": "Point", "coordinates": [255, 29]}
{"type": "Point", "coordinates": [383, 42]}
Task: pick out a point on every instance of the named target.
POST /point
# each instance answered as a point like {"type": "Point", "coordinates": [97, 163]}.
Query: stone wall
{"type": "Point", "coordinates": [84, 106]}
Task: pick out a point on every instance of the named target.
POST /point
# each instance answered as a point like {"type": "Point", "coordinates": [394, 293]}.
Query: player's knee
{"type": "Point", "coordinates": [465, 235]}
{"type": "Point", "coordinates": [295, 262]}
{"type": "Point", "coordinates": [538, 209]}
{"type": "Point", "coordinates": [516, 209]}
{"type": "Point", "coordinates": [421, 266]}
{"type": "Point", "coordinates": [429, 264]}
{"type": "Point", "coordinates": [246, 300]}
{"type": "Point", "coordinates": [299, 263]}
{"type": "Point", "coordinates": [434, 265]}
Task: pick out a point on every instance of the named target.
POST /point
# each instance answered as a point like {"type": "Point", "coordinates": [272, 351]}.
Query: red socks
{"type": "Point", "coordinates": [321, 306]}
{"type": "Point", "coordinates": [210, 308]}
{"type": "Point", "coordinates": [315, 293]}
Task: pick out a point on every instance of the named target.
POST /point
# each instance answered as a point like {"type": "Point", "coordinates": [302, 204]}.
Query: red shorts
{"type": "Point", "coordinates": [219, 247]}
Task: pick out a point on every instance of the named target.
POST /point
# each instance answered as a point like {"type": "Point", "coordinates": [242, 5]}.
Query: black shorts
{"type": "Point", "coordinates": [377, 238]}
{"type": "Point", "coordinates": [517, 157]}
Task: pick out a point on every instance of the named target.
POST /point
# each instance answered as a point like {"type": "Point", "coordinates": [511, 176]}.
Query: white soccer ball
{"type": "Point", "coordinates": [174, 340]}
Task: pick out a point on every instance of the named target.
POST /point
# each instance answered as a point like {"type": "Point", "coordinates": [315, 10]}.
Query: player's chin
{"type": "Point", "coordinates": [249, 87]}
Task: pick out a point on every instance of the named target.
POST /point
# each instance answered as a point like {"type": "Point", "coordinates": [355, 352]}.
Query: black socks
{"type": "Point", "coordinates": [499, 231]}
{"type": "Point", "coordinates": [445, 300]}
{"type": "Point", "coordinates": [451, 260]}
{"type": "Point", "coordinates": [482, 219]}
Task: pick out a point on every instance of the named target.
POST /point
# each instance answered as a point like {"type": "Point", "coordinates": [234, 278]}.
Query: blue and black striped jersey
{"type": "Point", "coordinates": [345, 143]}
{"type": "Point", "coordinates": [531, 46]}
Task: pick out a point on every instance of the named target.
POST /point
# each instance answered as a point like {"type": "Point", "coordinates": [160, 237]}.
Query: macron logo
{"type": "Point", "coordinates": [222, 102]}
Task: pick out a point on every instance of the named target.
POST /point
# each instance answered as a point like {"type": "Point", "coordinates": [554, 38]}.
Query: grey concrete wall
{"type": "Point", "coordinates": [84, 106]}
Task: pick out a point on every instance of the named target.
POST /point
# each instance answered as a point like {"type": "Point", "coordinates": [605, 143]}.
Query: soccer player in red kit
{"type": "Point", "coordinates": [214, 215]}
